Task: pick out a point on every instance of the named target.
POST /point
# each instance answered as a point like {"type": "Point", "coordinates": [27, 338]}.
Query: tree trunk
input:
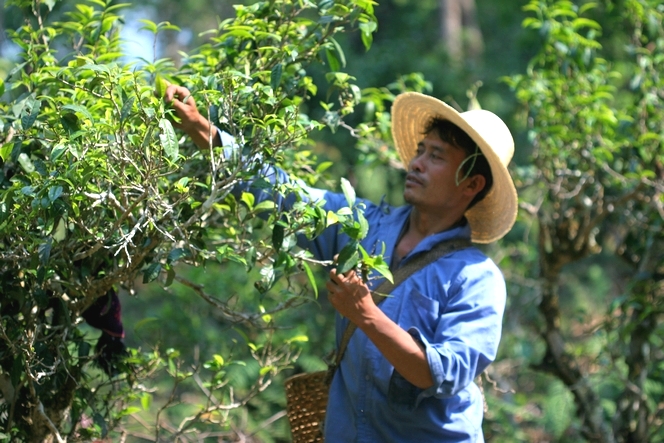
{"type": "Point", "coordinates": [557, 361]}
{"type": "Point", "coordinates": [459, 29]}
{"type": "Point", "coordinates": [633, 421]}
{"type": "Point", "coordinates": [633, 408]}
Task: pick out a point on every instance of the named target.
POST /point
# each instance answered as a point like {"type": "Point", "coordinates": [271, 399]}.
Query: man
{"type": "Point", "coordinates": [407, 373]}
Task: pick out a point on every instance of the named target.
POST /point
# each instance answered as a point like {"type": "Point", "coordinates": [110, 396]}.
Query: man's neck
{"type": "Point", "coordinates": [420, 226]}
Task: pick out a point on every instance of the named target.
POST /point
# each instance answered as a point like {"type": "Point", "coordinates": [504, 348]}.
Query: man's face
{"type": "Point", "coordinates": [430, 183]}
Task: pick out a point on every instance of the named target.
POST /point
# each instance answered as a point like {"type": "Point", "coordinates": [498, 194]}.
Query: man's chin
{"type": "Point", "coordinates": [409, 198]}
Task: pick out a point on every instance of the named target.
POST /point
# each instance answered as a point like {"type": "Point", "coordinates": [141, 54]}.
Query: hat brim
{"type": "Point", "coordinates": [495, 214]}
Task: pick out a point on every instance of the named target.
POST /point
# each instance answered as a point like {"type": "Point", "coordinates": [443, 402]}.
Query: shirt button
{"type": "Point", "coordinates": [367, 378]}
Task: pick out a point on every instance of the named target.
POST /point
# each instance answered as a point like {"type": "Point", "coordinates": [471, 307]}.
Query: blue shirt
{"type": "Point", "coordinates": [453, 306]}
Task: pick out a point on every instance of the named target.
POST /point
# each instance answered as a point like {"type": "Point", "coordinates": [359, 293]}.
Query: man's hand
{"type": "Point", "coordinates": [350, 296]}
{"type": "Point", "coordinates": [195, 125]}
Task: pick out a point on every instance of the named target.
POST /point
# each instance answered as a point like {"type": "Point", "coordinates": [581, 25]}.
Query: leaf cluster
{"type": "Point", "coordinates": [97, 188]}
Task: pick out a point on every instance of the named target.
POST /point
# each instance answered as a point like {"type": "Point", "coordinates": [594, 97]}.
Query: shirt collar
{"type": "Point", "coordinates": [394, 221]}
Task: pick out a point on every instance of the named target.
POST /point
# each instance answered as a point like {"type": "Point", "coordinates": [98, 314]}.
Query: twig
{"type": "Point", "coordinates": [49, 423]}
{"type": "Point", "coordinates": [268, 422]}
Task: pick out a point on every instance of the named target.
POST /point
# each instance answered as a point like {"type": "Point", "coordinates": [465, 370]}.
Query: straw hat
{"type": "Point", "coordinates": [493, 216]}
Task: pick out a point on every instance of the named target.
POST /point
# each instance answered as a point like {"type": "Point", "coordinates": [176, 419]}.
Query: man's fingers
{"type": "Point", "coordinates": [350, 275]}
{"type": "Point", "coordinates": [336, 278]}
{"type": "Point", "coordinates": [331, 286]}
{"type": "Point", "coordinates": [180, 92]}
{"type": "Point", "coordinates": [170, 93]}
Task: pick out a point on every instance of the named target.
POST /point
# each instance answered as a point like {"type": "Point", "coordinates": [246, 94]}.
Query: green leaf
{"type": "Point", "coordinates": [80, 109]}
{"type": "Point", "coordinates": [324, 166]}
{"type": "Point", "coordinates": [348, 191]}
{"type": "Point", "coordinates": [83, 349]}
{"type": "Point", "coordinates": [332, 218]}
{"type": "Point", "coordinates": [60, 232]}
{"type": "Point", "coordinates": [248, 199]}
{"type": "Point", "coordinates": [170, 276]}
{"type": "Point", "coordinates": [130, 410]}
{"type": "Point", "coordinates": [160, 85]}
{"type": "Point", "coordinates": [4, 211]}
{"type": "Point", "coordinates": [148, 26]}
{"type": "Point", "coordinates": [298, 339]}
{"type": "Point", "coordinates": [26, 163]}
{"type": "Point", "coordinates": [585, 23]}
{"type": "Point", "coordinates": [332, 60]}
{"type": "Point", "coordinates": [146, 401]}
{"type": "Point", "coordinates": [383, 269]}
{"type": "Point", "coordinates": [310, 276]}
{"type": "Point", "coordinates": [44, 251]}
{"type": "Point", "coordinates": [57, 151]}
{"type": "Point", "coordinates": [265, 205]}
{"type": "Point", "coordinates": [151, 272]}
{"type": "Point", "coordinates": [340, 53]}
{"type": "Point", "coordinates": [169, 140]}
{"type": "Point", "coordinates": [29, 119]}
{"type": "Point", "coordinates": [348, 258]}
{"type": "Point", "coordinates": [218, 359]}
{"type": "Point", "coordinates": [5, 151]}
{"type": "Point", "coordinates": [126, 108]}
{"type": "Point", "coordinates": [54, 193]}
{"type": "Point", "coordinates": [367, 29]}
{"type": "Point", "coordinates": [176, 254]}
{"type": "Point", "coordinates": [278, 235]}
{"type": "Point", "coordinates": [364, 225]}
{"type": "Point", "coordinates": [275, 76]}
{"type": "Point", "coordinates": [250, 257]}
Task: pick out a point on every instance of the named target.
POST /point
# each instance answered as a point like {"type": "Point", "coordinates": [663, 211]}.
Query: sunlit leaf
{"type": "Point", "coordinates": [26, 163]}
{"type": "Point", "coordinates": [146, 401]}
{"type": "Point", "coordinates": [311, 278]}
{"type": "Point", "coordinates": [348, 191]}
{"type": "Point", "coordinates": [169, 140]}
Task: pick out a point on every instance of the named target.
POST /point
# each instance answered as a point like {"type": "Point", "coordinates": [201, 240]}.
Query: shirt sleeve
{"type": "Point", "coordinates": [466, 337]}
{"type": "Point", "coordinates": [285, 191]}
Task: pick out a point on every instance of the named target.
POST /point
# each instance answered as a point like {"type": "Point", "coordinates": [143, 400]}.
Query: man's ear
{"type": "Point", "coordinates": [474, 185]}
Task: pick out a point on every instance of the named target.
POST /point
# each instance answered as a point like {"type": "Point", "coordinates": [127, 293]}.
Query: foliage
{"type": "Point", "coordinates": [219, 321]}
{"type": "Point", "coordinates": [98, 189]}
{"type": "Point", "coordinates": [595, 186]}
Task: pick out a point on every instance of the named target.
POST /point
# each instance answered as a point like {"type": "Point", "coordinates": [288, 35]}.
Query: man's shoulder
{"type": "Point", "coordinates": [470, 260]}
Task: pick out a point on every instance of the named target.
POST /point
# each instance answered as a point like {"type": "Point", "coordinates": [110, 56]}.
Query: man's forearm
{"type": "Point", "coordinates": [204, 134]}
{"type": "Point", "coordinates": [400, 348]}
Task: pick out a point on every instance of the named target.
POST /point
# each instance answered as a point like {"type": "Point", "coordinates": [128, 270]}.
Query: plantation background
{"type": "Point", "coordinates": [579, 84]}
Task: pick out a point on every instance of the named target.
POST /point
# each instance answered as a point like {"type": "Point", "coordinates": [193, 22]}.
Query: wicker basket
{"type": "Point", "coordinates": [306, 400]}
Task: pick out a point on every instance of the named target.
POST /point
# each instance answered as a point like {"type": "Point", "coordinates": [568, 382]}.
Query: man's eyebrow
{"type": "Point", "coordinates": [442, 150]}
{"type": "Point", "coordinates": [434, 147]}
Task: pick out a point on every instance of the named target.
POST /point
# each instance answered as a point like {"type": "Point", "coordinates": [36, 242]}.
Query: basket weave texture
{"type": "Point", "coordinates": [306, 401]}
